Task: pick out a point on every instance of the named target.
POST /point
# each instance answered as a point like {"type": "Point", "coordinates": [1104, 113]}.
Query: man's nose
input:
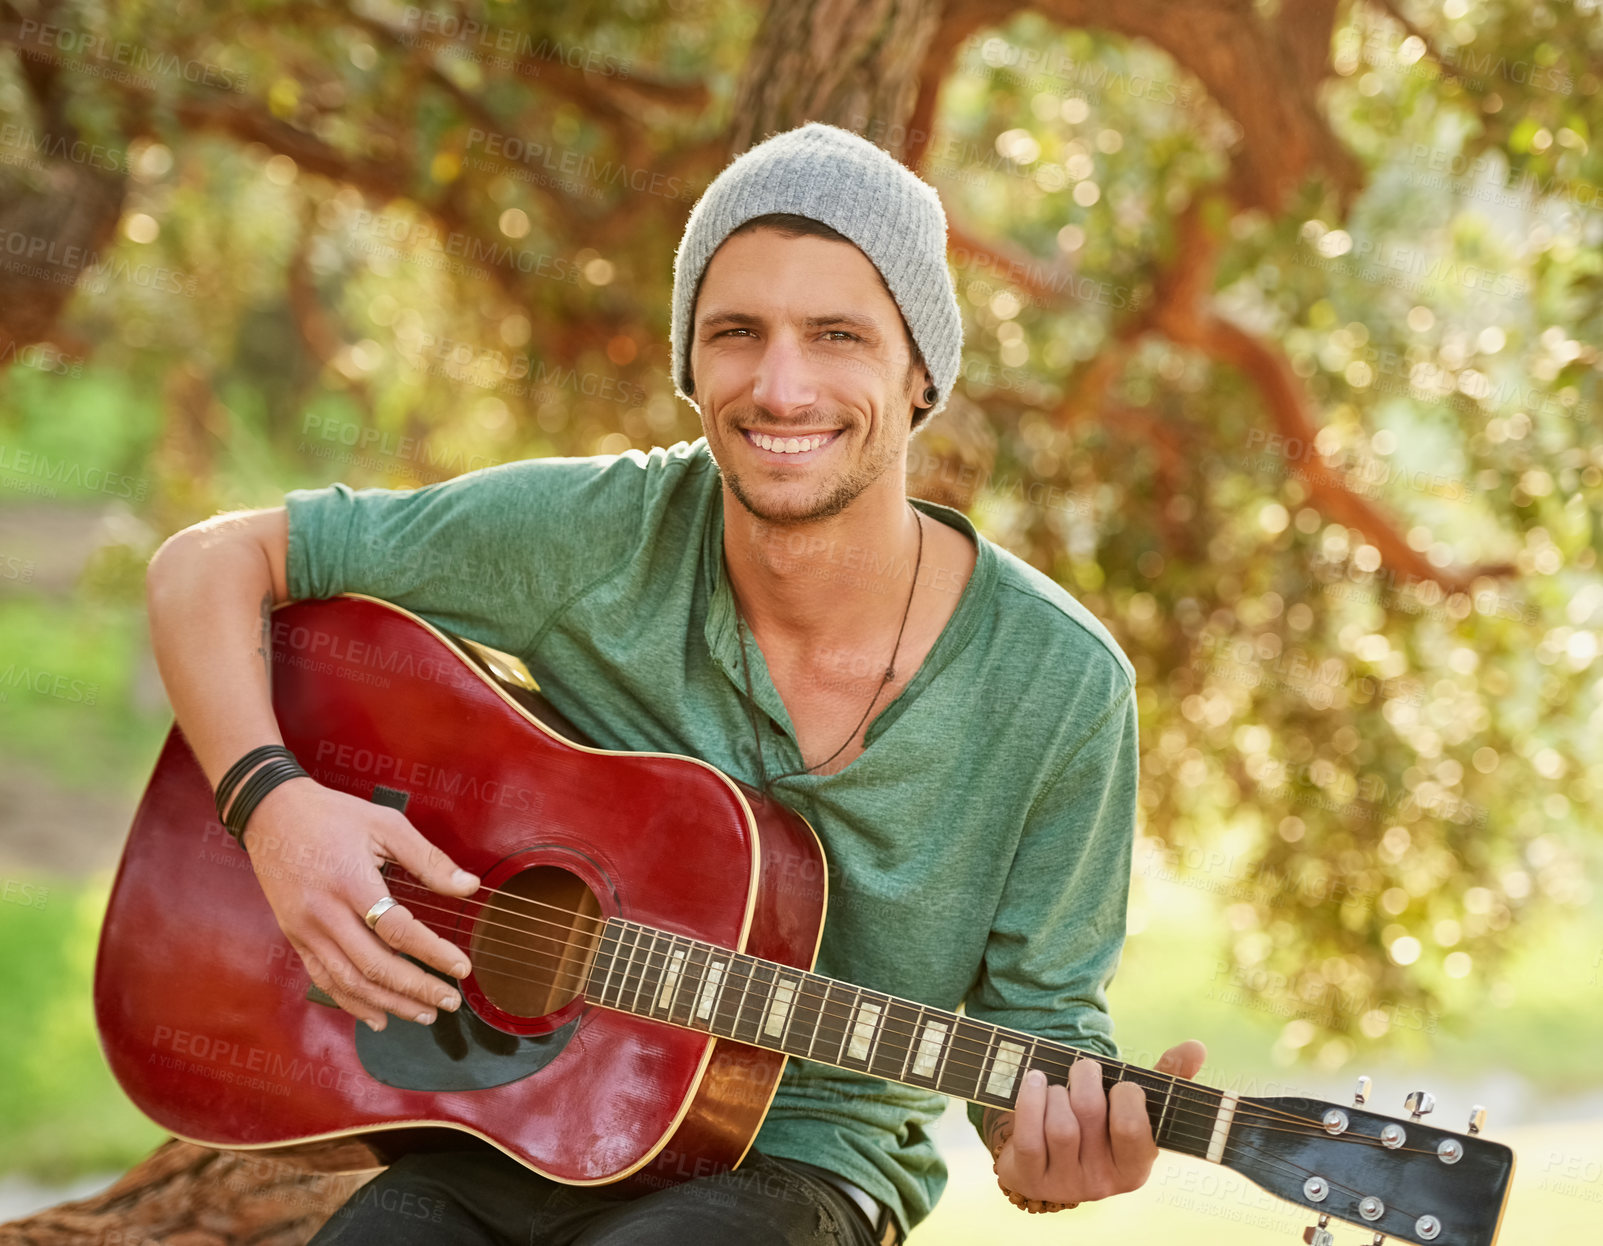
{"type": "Point", "coordinates": [785, 382]}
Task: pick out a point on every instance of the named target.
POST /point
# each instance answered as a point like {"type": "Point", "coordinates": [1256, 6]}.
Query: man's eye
{"type": "Point", "coordinates": [852, 336]}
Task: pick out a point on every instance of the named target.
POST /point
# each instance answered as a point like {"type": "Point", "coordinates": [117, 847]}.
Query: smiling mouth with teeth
{"type": "Point", "coordinates": [790, 445]}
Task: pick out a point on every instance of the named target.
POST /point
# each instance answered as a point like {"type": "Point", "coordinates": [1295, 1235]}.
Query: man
{"type": "Point", "coordinates": [959, 730]}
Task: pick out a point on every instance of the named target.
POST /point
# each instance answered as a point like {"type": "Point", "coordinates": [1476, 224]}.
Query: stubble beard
{"type": "Point", "coordinates": [834, 497]}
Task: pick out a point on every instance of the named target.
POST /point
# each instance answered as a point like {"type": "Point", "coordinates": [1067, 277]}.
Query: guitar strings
{"type": "Point", "coordinates": [1299, 1124]}
{"type": "Point", "coordinates": [891, 1026]}
{"type": "Point", "coordinates": [1193, 1120]}
{"type": "Point", "coordinates": [831, 1033]}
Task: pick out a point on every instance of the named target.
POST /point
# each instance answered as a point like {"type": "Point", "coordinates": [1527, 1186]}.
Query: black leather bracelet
{"type": "Point", "coordinates": [264, 780]}
{"type": "Point", "coordinates": [240, 769]}
{"type": "Point", "coordinates": [279, 770]}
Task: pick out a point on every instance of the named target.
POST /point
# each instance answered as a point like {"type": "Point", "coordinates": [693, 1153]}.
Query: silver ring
{"type": "Point", "coordinates": [380, 907]}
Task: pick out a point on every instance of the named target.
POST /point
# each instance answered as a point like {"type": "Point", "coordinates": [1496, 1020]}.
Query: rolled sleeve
{"type": "Point", "coordinates": [491, 554]}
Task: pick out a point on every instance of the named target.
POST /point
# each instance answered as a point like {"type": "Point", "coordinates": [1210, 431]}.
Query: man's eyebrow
{"type": "Point", "coordinates": [720, 319]}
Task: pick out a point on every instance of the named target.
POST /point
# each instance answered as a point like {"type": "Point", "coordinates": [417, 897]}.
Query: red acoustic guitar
{"type": "Point", "coordinates": [641, 952]}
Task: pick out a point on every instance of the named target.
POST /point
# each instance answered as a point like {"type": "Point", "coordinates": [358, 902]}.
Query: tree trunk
{"type": "Point", "coordinates": [851, 63]}
{"type": "Point", "coordinates": [62, 205]}
{"type": "Point", "coordinates": [188, 1195]}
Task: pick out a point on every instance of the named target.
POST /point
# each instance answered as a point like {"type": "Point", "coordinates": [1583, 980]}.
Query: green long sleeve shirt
{"type": "Point", "coordinates": [979, 848]}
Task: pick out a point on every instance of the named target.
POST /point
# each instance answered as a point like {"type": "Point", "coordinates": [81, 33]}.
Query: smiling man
{"type": "Point", "coordinates": [959, 731]}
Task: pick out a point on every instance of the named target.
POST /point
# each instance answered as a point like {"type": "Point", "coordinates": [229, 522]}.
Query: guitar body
{"type": "Point", "coordinates": [213, 1028]}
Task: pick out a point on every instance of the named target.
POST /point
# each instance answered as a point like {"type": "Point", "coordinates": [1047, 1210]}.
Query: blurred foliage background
{"type": "Point", "coordinates": [1281, 353]}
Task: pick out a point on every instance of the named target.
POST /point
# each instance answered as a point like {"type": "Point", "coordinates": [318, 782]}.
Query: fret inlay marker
{"type": "Point", "coordinates": [1004, 1069]}
{"type": "Point", "coordinates": [929, 1049]}
{"type": "Point", "coordinates": [1221, 1128]}
{"type": "Point", "coordinates": [670, 978]}
{"type": "Point", "coordinates": [779, 1011]}
{"type": "Point", "coordinates": [709, 989]}
{"type": "Point", "coordinates": [863, 1030]}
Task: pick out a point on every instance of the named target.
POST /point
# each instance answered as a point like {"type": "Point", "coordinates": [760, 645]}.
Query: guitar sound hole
{"type": "Point", "coordinates": [532, 943]}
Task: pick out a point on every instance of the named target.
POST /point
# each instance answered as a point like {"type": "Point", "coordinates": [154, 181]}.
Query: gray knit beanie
{"type": "Point", "coordinates": [840, 178]}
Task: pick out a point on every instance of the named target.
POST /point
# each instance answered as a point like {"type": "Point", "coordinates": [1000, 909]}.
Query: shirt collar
{"type": "Point", "coordinates": [723, 637]}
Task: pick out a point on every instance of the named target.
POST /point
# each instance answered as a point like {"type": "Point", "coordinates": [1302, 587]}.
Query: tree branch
{"type": "Point", "coordinates": [1044, 281]}
{"type": "Point", "coordinates": [1286, 399]}
{"type": "Point", "coordinates": [1181, 313]}
{"type": "Point", "coordinates": [1402, 19]}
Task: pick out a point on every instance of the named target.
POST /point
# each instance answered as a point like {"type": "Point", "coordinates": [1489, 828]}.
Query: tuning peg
{"type": "Point", "coordinates": [1420, 1103]}
{"type": "Point", "coordinates": [1318, 1234]}
{"type": "Point", "coordinates": [1379, 1238]}
{"type": "Point", "coordinates": [1477, 1119]}
{"type": "Point", "coordinates": [1361, 1094]}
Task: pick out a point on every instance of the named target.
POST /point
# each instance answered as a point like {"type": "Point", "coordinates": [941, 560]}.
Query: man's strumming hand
{"type": "Point", "coordinates": [317, 854]}
{"type": "Point", "coordinates": [1076, 1144]}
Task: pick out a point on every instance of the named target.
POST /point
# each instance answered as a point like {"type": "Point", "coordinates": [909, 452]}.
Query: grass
{"type": "Point", "coordinates": [68, 704]}
{"type": "Point", "coordinates": [1200, 1204]}
{"type": "Point", "coordinates": [61, 1113]}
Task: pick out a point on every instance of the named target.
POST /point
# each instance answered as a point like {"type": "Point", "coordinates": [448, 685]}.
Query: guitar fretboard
{"type": "Point", "coordinates": [700, 986]}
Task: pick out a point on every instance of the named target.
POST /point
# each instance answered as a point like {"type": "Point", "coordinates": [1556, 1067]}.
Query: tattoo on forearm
{"type": "Point", "coordinates": [263, 645]}
{"type": "Point", "coordinates": [996, 1126]}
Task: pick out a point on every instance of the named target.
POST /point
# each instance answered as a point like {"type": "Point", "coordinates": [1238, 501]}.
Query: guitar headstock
{"type": "Point", "coordinates": [1396, 1176]}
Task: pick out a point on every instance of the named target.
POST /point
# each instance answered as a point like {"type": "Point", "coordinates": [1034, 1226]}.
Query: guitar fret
{"type": "Point", "coordinates": [622, 974]}
{"type": "Point", "coordinates": [724, 1017]}
{"type": "Point", "coordinates": [834, 1013]}
{"type": "Point", "coordinates": [889, 1037]}
{"type": "Point", "coordinates": [865, 1020]}
{"type": "Point", "coordinates": [596, 979]}
{"type": "Point", "coordinates": [634, 1004]}
{"type": "Point", "coordinates": [934, 1040]}
{"type": "Point", "coordinates": [892, 1029]}
{"type": "Point", "coordinates": [985, 1063]}
{"type": "Point", "coordinates": [673, 970]}
{"type": "Point", "coordinates": [611, 944]}
{"type": "Point", "coordinates": [818, 1017]}
{"type": "Point", "coordinates": [763, 978]}
{"type": "Point", "coordinates": [913, 1039]}
{"type": "Point", "coordinates": [963, 1078]}
{"type": "Point", "coordinates": [846, 1029]}
{"type": "Point", "coordinates": [948, 1033]}
{"type": "Point", "coordinates": [778, 1014]}
{"type": "Point", "coordinates": [627, 957]}
{"type": "Point", "coordinates": [1204, 1102]}
{"type": "Point", "coordinates": [1163, 1116]}
{"type": "Point", "coordinates": [651, 975]}
{"type": "Point", "coordinates": [712, 988]}
{"type": "Point", "coordinates": [1056, 1062]}
{"type": "Point", "coordinates": [1006, 1067]}
{"type": "Point", "coordinates": [847, 1015]}
{"type": "Point", "coordinates": [692, 974]}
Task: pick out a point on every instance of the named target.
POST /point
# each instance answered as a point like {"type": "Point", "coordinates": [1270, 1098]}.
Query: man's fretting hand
{"type": "Point", "coordinates": [1076, 1144]}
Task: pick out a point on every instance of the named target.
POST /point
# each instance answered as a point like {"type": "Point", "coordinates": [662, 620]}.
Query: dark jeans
{"type": "Point", "coordinates": [469, 1197]}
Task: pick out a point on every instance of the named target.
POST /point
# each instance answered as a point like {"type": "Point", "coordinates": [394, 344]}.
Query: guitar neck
{"type": "Point", "coordinates": [700, 986]}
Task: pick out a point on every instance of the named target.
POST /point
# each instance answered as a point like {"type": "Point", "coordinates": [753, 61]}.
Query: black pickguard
{"type": "Point", "coordinates": [459, 1051]}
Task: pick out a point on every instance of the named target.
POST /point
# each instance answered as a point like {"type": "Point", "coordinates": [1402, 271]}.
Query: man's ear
{"type": "Point", "coordinates": [921, 409]}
